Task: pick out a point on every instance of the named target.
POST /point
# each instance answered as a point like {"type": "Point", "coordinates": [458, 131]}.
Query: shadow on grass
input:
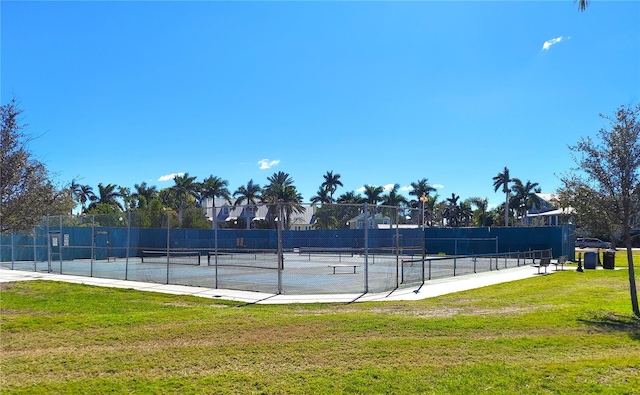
{"type": "Point", "coordinates": [606, 321]}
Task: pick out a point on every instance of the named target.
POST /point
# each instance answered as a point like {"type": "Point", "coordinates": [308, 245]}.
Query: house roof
{"type": "Point", "coordinates": [560, 211]}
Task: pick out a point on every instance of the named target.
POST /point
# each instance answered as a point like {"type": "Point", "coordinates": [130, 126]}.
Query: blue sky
{"type": "Point", "coordinates": [379, 92]}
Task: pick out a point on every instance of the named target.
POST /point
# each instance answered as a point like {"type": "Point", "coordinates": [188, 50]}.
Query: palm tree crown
{"type": "Point", "coordinates": [331, 183]}
{"type": "Point", "coordinates": [373, 194]}
{"type": "Point", "coordinates": [502, 180]}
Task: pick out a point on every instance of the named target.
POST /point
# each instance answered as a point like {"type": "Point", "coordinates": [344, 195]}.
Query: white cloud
{"type": "Point", "coordinates": [388, 187]}
{"type": "Point", "coordinates": [361, 189]}
{"type": "Point", "coordinates": [407, 188]}
{"type": "Point", "coordinates": [266, 163]}
{"type": "Point", "coordinates": [438, 186]}
{"type": "Point", "coordinates": [547, 44]}
{"type": "Point", "coordinates": [169, 177]}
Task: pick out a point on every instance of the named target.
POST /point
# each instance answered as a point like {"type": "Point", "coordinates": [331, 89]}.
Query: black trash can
{"type": "Point", "coordinates": [609, 259]}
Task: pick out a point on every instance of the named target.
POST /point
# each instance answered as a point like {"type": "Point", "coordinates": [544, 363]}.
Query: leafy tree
{"type": "Point", "coordinates": [502, 180]}
{"type": "Point", "coordinates": [331, 183]}
{"type": "Point", "coordinates": [250, 193]}
{"type": "Point", "coordinates": [215, 187]}
{"type": "Point", "coordinates": [326, 217]}
{"type": "Point", "coordinates": [194, 218]}
{"type": "Point", "coordinates": [26, 193]}
{"type": "Point", "coordinates": [606, 185]}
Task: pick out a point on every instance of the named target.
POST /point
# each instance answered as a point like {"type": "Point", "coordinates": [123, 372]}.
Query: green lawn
{"type": "Point", "coordinates": [567, 332]}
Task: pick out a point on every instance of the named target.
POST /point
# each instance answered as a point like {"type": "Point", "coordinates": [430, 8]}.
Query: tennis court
{"type": "Point", "coordinates": [302, 272]}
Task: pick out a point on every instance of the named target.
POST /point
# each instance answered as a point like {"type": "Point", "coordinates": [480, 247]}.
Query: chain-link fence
{"type": "Point", "coordinates": [330, 249]}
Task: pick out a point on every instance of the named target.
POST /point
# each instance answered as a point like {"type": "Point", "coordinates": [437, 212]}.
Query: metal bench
{"type": "Point", "coordinates": [344, 265]}
{"type": "Point", "coordinates": [542, 263]}
{"type": "Point", "coordinates": [559, 262]}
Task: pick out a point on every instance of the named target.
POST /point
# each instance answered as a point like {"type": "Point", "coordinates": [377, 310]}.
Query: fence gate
{"type": "Point", "coordinates": [54, 253]}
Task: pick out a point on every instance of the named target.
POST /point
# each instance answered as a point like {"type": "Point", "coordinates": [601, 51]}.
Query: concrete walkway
{"type": "Point", "coordinates": [430, 289]}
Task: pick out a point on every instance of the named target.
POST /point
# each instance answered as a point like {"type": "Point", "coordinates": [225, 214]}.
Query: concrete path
{"type": "Point", "coordinates": [430, 289]}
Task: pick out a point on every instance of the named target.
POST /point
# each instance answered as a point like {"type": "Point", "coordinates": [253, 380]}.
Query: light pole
{"type": "Point", "coordinates": [423, 200]}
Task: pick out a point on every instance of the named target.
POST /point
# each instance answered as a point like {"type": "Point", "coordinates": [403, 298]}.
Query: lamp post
{"type": "Point", "coordinates": [423, 200]}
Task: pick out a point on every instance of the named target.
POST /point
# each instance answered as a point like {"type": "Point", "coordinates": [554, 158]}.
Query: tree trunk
{"type": "Point", "coordinates": [632, 277]}
{"type": "Point", "coordinates": [506, 210]}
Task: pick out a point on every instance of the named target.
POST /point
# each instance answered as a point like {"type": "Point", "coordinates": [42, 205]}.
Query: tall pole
{"type": "Point", "coordinates": [279, 246]}
{"type": "Point", "coordinates": [366, 247]}
{"type": "Point", "coordinates": [423, 200]}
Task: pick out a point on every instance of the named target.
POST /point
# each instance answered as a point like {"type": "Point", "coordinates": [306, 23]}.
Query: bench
{"type": "Point", "coordinates": [559, 262]}
{"type": "Point", "coordinates": [542, 263]}
{"type": "Point", "coordinates": [344, 265]}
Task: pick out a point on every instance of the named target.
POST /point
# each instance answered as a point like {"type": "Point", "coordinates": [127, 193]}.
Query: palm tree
{"type": "Point", "coordinates": [452, 211]}
{"type": "Point", "coordinates": [127, 198]}
{"type": "Point", "coordinates": [419, 188]}
{"type": "Point", "coordinates": [144, 194]}
{"type": "Point", "coordinates": [582, 4]}
{"type": "Point", "coordinates": [331, 182]}
{"type": "Point", "coordinates": [82, 194]}
{"type": "Point", "coordinates": [215, 187]}
{"type": "Point", "coordinates": [373, 194]}
{"type": "Point", "coordinates": [481, 209]}
{"type": "Point", "coordinates": [281, 190]}
{"type": "Point", "coordinates": [525, 197]}
{"type": "Point", "coordinates": [502, 180]}
{"type": "Point", "coordinates": [394, 199]}
{"type": "Point", "coordinates": [107, 196]}
{"type": "Point", "coordinates": [250, 193]}
{"type": "Point", "coordinates": [185, 188]}
{"type": "Point", "coordinates": [322, 196]}
{"type": "Point", "coordinates": [465, 213]}
{"type": "Point", "coordinates": [350, 198]}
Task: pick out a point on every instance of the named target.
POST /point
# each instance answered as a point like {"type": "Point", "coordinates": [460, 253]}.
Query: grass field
{"type": "Point", "coordinates": [567, 332]}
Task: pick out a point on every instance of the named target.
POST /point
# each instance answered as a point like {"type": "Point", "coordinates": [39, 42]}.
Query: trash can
{"type": "Point", "coordinates": [590, 260]}
{"type": "Point", "coordinates": [609, 261]}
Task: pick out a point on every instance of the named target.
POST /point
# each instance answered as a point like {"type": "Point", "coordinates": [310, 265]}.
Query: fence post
{"type": "Point", "coordinates": [126, 258]}
{"type": "Point", "coordinates": [280, 253]}
{"type": "Point", "coordinates": [12, 250]}
{"type": "Point", "coordinates": [215, 239]}
{"type": "Point", "coordinates": [366, 247]}
{"type": "Point", "coordinates": [395, 210]}
{"type": "Point", "coordinates": [93, 242]}
{"type": "Point", "coordinates": [35, 253]}
{"type": "Point", "coordinates": [168, 241]}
